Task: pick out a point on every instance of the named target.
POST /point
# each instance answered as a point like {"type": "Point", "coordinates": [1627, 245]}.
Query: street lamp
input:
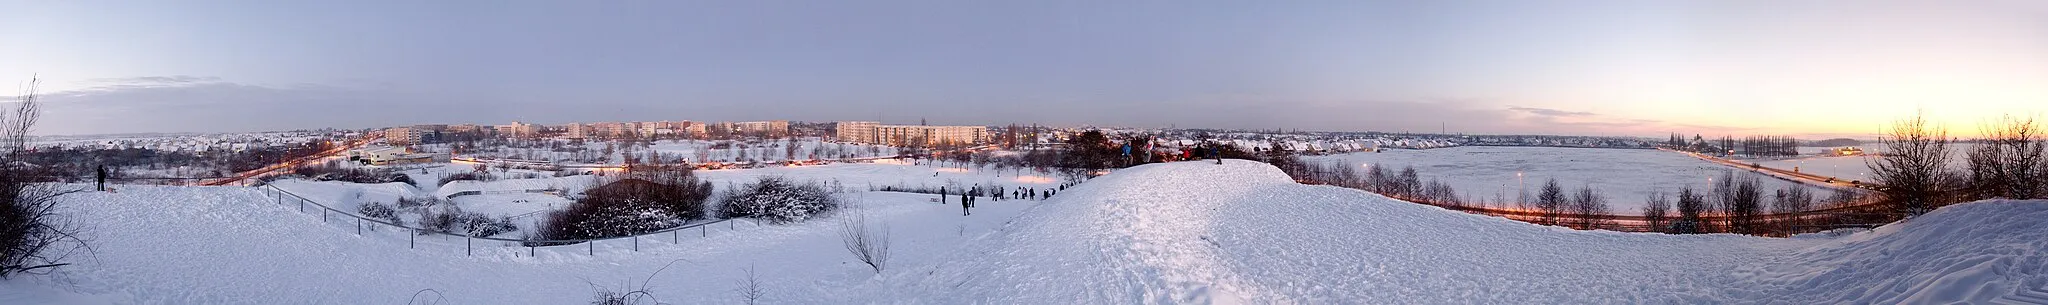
{"type": "Point", "coordinates": [1521, 189]}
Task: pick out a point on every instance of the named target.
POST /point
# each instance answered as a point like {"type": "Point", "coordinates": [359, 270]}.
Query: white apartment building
{"type": "Point", "coordinates": [910, 135]}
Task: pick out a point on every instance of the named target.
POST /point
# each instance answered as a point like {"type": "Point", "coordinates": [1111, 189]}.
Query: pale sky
{"type": "Point", "coordinates": [1490, 67]}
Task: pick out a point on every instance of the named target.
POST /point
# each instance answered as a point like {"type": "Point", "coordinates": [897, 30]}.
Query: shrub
{"type": "Point", "coordinates": [777, 200]}
{"type": "Point", "coordinates": [333, 172]}
{"type": "Point", "coordinates": [673, 189]}
{"type": "Point", "coordinates": [379, 211]}
{"type": "Point", "coordinates": [868, 244]}
{"type": "Point", "coordinates": [480, 225]}
{"type": "Point", "coordinates": [31, 229]}
{"type": "Point", "coordinates": [419, 202]}
{"type": "Point", "coordinates": [437, 221]}
{"type": "Point", "coordinates": [592, 217]}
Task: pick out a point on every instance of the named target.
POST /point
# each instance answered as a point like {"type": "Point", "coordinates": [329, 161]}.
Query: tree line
{"type": "Point", "coordinates": [1754, 145]}
{"type": "Point", "coordinates": [2008, 162]}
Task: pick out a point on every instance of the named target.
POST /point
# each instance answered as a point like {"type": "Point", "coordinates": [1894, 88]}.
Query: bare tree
{"type": "Point", "coordinates": [750, 288]}
{"type": "Point", "coordinates": [1552, 201]}
{"type": "Point", "coordinates": [2009, 162]}
{"type": "Point", "coordinates": [1912, 171]}
{"type": "Point", "coordinates": [1743, 204]}
{"type": "Point", "coordinates": [1691, 205]}
{"type": "Point", "coordinates": [869, 244]}
{"type": "Point", "coordinates": [1792, 201]}
{"type": "Point", "coordinates": [1655, 211]}
{"type": "Point", "coordinates": [34, 235]}
{"type": "Point", "coordinates": [1591, 208]}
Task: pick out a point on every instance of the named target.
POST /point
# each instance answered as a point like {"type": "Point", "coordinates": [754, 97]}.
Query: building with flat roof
{"type": "Point", "coordinates": [772, 129]}
{"type": "Point", "coordinates": [910, 135]}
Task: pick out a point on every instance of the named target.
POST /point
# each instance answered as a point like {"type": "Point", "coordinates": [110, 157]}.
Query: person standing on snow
{"type": "Point", "coordinates": [967, 203]}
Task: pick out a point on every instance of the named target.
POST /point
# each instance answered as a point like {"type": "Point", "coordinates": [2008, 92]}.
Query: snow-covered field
{"type": "Point", "coordinates": [1626, 176]}
{"type": "Point", "coordinates": [514, 197]}
{"type": "Point", "coordinates": [1189, 232]}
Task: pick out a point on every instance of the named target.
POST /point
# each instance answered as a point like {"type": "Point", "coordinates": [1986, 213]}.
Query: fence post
{"type": "Point", "coordinates": [530, 252]}
{"type": "Point", "coordinates": [674, 237]}
{"type": "Point", "coordinates": [302, 205]}
{"type": "Point", "coordinates": [323, 215]}
{"type": "Point", "coordinates": [636, 243]}
{"type": "Point", "coordinates": [411, 238]}
{"type": "Point", "coordinates": [591, 246]}
{"type": "Point", "coordinates": [706, 232]}
{"type": "Point", "coordinates": [466, 242]}
{"type": "Point", "coordinates": [359, 226]}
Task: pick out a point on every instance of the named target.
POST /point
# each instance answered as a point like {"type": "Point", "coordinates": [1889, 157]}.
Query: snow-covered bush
{"type": "Point", "coordinates": [593, 217]}
{"type": "Point", "coordinates": [480, 225]}
{"type": "Point", "coordinates": [415, 203]}
{"type": "Point", "coordinates": [334, 172]}
{"type": "Point", "coordinates": [437, 221]}
{"type": "Point", "coordinates": [777, 200]}
{"type": "Point", "coordinates": [673, 189]}
{"type": "Point", "coordinates": [379, 211]}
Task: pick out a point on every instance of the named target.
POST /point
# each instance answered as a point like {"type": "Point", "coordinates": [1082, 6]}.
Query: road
{"type": "Point", "coordinates": [1823, 180]}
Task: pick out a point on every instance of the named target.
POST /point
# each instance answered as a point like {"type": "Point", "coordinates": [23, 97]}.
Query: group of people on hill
{"type": "Point", "coordinates": [967, 197]}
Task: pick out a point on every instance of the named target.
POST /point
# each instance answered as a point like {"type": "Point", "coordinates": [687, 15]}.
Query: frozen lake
{"type": "Point", "coordinates": [1626, 176]}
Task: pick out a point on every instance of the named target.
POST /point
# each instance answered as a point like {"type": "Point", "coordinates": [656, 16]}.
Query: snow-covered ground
{"type": "Point", "coordinates": [1626, 176]}
{"type": "Point", "coordinates": [1191, 232]}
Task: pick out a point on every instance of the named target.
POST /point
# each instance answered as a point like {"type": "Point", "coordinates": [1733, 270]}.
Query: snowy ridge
{"type": "Point", "coordinates": [1974, 252]}
{"type": "Point", "coordinates": [1203, 233]}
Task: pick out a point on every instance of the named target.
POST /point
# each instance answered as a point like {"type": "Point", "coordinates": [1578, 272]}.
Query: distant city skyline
{"type": "Point", "coordinates": [1634, 68]}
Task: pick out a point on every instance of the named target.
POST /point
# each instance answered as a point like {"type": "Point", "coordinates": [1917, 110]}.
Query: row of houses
{"type": "Point", "coordinates": [675, 129]}
{"type": "Point", "coordinates": [431, 133]}
{"type": "Point", "coordinates": [426, 133]}
{"type": "Point", "coordinates": [865, 132]}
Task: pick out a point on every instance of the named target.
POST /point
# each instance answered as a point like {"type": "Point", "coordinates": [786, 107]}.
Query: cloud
{"type": "Point", "coordinates": [1551, 112]}
{"type": "Point", "coordinates": [207, 104]}
{"type": "Point", "coordinates": [171, 79]}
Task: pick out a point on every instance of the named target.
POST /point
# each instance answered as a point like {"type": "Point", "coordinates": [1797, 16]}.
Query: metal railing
{"type": "Point", "coordinates": [280, 196]}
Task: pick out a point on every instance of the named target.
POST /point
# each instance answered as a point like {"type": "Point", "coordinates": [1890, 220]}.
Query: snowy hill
{"type": "Point", "coordinates": [1188, 232]}
{"type": "Point", "coordinates": [1204, 233]}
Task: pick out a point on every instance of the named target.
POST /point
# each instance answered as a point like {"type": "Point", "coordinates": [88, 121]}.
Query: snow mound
{"type": "Point", "coordinates": [1242, 232]}
{"type": "Point", "coordinates": [1979, 252]}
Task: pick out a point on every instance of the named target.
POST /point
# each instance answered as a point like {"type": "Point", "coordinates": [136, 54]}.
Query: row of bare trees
{"type": "Point", "coordinates": [1914, 174]}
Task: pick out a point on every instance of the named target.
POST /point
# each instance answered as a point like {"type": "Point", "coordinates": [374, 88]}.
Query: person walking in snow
{"type": "Point", "coordinates": [942, 195]}
{"type": "Point", "coordinates": [102, 178]}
